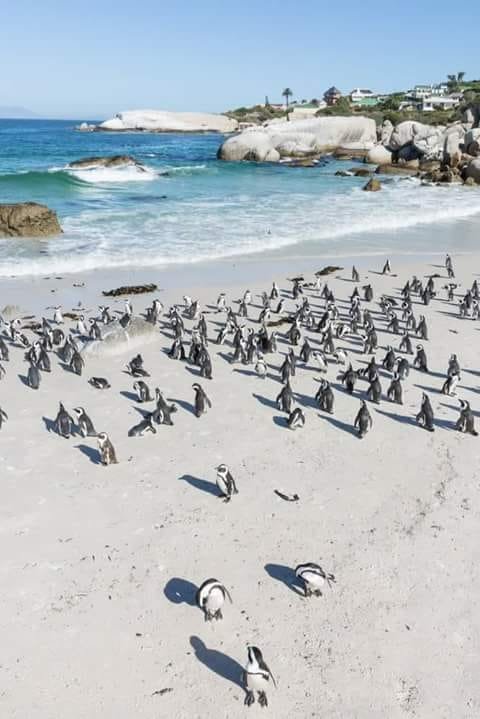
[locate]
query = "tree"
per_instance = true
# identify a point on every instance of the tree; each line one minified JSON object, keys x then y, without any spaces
{"x":452,"y":82}
{"x":315,"y":102}
{"x":287,"y":94}
{"x":460,"y":76}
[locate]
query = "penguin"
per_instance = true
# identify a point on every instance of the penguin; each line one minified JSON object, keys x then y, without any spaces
{"x":162,"y":414}
{"x":95,"y":332}
{"x":145,"y":425}
{"x":340,"y":356}
{"x":142,"y":390}
{"x":296,"y":419}
{"x":225,"y":482}
{"x":374,"y":392}
{"x":285,"y":399}
{"x":99,"y":382}
{"x":406,"y":344}
{"x":3,"y":417}
{"x":403,"y":368}
{"x":420,"y":360}
{"x":466,"y":421}
{"x":58,"y":337}
{"x":355,"y":274}
{"x":2,"y":371}
{"x":321,"y":360}
{"x":453,"y":366}
{"x":274,"y":293}
{"x":77,"y":363}
{"x":84,"y":423}
{"x":395,"y":391}
{"x":450,"y":384}
{"x":135,"y":367}
{"x":349,"y":379}
{"x":389,"y":360}
{"x":247,"y":297}
{"x":33,"y":376}
{"x":261,"y":366}
{"x":65,"y":352}
{"x":386,"y":268}
{"x":210,"y":598}
{"x":4,"y":351}
{"x":257,"y":677}
{"x":367,"y":293}
{"x":422,"y":329}
{"x":305,"y":351}
{"x":57,"y":315}
{"x":107,"y":452}
{"x":43,"y":360}
{"x":81,"y":327}
{"x":202,"y":402}
{"x":325,"y":397}
{"x":313,"y":578}
{"x":425,"y":417}
{"x":63,"y":423}
{"x":221,"y":302}
{"x":363,"y":421}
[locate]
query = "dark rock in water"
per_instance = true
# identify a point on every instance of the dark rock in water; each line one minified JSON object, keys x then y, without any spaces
{"x":396,"y":170}
{"x":28,"y":219}
{"x":130,"y":290}
{"x":327,"y":270}
{"x":113,"y":161}
{"x":343,"y":173}
{"x":373,"y":185}
{"x":361,"y":172}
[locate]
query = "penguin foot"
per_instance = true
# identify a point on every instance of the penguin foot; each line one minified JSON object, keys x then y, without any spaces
{"x":262,"y":699}
{"x":318,"y":593}
{"x":249,"y":699}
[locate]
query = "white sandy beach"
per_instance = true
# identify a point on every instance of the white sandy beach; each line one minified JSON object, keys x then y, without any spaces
{"x":99,"y":565}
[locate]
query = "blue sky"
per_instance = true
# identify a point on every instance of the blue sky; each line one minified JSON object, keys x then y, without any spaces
{"x":91,"y":59}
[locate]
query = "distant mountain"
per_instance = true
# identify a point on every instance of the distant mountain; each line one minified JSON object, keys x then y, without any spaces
{"x":17,"y":113}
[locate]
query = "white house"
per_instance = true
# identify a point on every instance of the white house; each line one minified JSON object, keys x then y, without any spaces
{"x":447,"y":102}
{"x":361,"y":96}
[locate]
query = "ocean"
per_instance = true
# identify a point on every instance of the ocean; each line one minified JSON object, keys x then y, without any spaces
{"x":189,"y":207}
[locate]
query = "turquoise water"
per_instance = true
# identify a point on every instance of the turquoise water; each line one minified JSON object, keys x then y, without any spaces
{"x":189,"y":207}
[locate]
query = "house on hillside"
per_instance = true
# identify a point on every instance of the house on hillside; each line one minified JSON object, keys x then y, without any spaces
{"x":447,"y":102}
{"x":420,"y":92}
{"x":307,"y":109}
{"x":332,"y":95}
{"x":363,"y":98}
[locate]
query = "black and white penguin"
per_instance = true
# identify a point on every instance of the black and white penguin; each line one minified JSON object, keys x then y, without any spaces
{"x":386,"y":268}
{"x":162,"y":414}
{"x":284,"y":400}
{"x":211,"y":597}
{"x":466,"y":421}
{"x":406,"y":344}
{"x":313,"y":578}
{"x":106,"y":449}
{"x":403,"y":368}
{"x":63,"y":423}
{"x":363,"y":421}
{"x":325,"y":397}
{"x":420,"y":360}
{"x":225,"y":482}
{"x":257,"y":677}
{"x":296,"y":419}
{"x":450,"y":384}
{"x":389,"y":360}
{"x":355,"y":274}
{"x":145,"y":425}
{"x":33,"y":376}
{"x":374,"y":392}
{"x":395,"y":391}
{"x":422,"y":329}
{"x":261,"y":366}
{"x":77,"y":363}
{"x":453,"y":365}
{"x":135,"y":367}
{"x":99,"y":382}
{"x":3,"y":417}
{"x":84,"y":423}
{"x":425,"y":417}
{"x":349,"y":379}
{"x":320,"y":359}
{"x":4,"y":352}
{"x":143,"y":391}
{"x":202,"y":402}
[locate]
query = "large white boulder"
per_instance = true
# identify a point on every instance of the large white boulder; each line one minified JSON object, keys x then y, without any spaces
{"x":379,"y":155}
{"x":164,"y":121}
{"x":386,"y":132}
{"x":298,"y":138}
{"x":117,"y":339}
{"x":426,"y":139}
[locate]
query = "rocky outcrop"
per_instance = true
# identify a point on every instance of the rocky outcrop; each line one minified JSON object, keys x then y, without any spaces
{"x":163,"y":121}
{"x":473,"y":170}
{"x":113,"y":161}
{"x":28,"y":219}
{"x":373,"y":185}
{"x":299,"y":138}
{"x":117,"y":339}
{"x":379,"y":155}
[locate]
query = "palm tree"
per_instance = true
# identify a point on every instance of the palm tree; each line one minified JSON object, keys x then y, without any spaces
{"x":460,"y":76}
{"x":287,"y":94}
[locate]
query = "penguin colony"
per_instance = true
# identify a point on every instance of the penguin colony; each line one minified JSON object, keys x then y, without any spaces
{"x":310,"y":324}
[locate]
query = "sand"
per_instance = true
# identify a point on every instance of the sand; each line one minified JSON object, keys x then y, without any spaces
{"x":99,"y":565}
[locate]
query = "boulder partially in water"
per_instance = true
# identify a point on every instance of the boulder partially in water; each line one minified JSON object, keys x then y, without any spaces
{"x":164,"y":121}
{"x":112,"y":161}
{"x":28,"y":219}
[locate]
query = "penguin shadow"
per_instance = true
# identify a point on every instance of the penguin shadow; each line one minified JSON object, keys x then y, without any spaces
{"x":305,"y":400}
{"x":431,"y":373}
{"x":187,"y":406}
{"x":217,"y":662}
{"x":246,"y":372}
{"x":129,"y":395}
{"x":436,"y":390}
{"x":90,"y":452}
{"x":447,"y":424}
{"x":49,"y":424}
{"x":66,"y":367}
{"x":226,"y":357}
{"x":194,"y":370}
{"x":201,"y":484}
{"x":280,"y":421}
{"x":180,"y":591}
{"x":349,"y":428}
{"x":450,"y":314}
{"x":23,"y":379}
{"x":285,"y":575}
{"x":403,"y":419}
{"x":265,"y":401}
